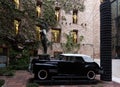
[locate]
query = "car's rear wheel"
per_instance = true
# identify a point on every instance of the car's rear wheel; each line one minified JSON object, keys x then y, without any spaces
{"x":43,"y":74}
{"x":91,"y":75}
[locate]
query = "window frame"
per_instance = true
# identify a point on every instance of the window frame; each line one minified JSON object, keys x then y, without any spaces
{"x":57,"y":13}
{"x":58,"y":36}
{"x":17,"y":4}
{"x":73,"y":36}
{"x":16,"y":26}
{"x":75,"y":16}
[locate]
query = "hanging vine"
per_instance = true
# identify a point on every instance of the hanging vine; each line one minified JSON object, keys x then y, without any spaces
{"x":69,"y":5}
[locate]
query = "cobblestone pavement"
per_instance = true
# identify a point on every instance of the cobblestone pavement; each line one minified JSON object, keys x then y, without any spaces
{"x":21,"y":78}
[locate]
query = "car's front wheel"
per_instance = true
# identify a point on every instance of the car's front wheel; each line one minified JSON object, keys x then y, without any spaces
{"x":91,"y":75}
{"x":43,"y":74}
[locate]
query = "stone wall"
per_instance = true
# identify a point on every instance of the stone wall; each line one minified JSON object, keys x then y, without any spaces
{"x":88,"y":26}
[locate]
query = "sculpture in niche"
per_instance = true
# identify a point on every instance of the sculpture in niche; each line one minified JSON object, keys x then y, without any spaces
{"x":44,"y":40}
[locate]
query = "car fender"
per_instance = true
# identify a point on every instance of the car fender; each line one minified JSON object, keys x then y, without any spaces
{"x":50,"y":67}
{"x":89,"y":67}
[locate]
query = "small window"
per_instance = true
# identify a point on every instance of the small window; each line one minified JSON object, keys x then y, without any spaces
{"x":17,"y":4}
{"x":57,"y":13}
{"x":56,"y":35}
{"x":16,"y":25}
{"x":75,"y":16}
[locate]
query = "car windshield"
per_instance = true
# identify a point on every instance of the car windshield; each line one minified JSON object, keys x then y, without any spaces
{"x":88,"y":59}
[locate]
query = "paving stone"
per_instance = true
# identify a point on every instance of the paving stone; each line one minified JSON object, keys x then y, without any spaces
{"x":22,"y":77}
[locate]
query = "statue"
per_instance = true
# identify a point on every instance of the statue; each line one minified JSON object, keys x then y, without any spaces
{"x":44,"y":40}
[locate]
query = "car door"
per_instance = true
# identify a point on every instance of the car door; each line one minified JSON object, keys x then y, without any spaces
{"x":78,"y":65}
{"x":66,"y":66}
{"x":72,"y":65}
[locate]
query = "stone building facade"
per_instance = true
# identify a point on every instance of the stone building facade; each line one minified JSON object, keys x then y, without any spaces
{"x":81,"y":23}
{"x":88,"y":26}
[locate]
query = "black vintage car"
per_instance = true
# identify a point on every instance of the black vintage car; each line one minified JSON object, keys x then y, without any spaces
{"x":70,"y":65}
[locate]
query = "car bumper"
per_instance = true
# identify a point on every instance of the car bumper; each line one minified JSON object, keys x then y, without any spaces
{"x":100,"y":71}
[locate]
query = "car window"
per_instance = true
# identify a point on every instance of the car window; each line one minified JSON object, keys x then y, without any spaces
{"x":70,"y":58}
{"x":66,"y":58}
{"x":62,"y":57}
{"x":79,"y":59}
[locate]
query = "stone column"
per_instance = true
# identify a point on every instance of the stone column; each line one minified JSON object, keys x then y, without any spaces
{"x":105,"y":37}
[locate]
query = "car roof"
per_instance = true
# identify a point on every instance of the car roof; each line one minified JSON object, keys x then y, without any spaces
{"x":68,"y":54}
{"x":85,"y":57}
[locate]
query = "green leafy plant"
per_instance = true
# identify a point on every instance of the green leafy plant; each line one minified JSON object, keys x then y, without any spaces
{"x":2,"y":82}
{"x":6,"y":72}
{"x":32,"y":85}
{"x":27,"y":18}
{"x":70,"y":46}
{"x":69,"y":5}
{"x":49,"y":13}
{"x":19,"y":60}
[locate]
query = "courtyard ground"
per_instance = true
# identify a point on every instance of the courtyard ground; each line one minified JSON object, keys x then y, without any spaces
{"x":22,"y":77}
